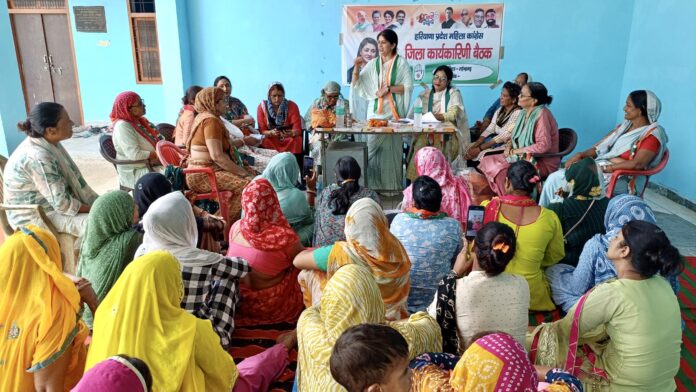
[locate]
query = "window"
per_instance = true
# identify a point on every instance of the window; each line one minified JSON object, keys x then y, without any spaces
{"x":141,"y":14}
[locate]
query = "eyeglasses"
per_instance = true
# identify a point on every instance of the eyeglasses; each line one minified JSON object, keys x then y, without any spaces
{"x":435,"y":77}
{"x":331,"y":96}
{"x":141,"y":103}
{"x":525,"y":96}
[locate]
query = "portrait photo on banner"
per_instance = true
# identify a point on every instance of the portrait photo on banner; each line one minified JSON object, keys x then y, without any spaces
{"x":466,"y":37}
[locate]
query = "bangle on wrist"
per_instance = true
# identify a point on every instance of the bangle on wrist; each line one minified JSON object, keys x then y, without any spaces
{"x":311,"y":192}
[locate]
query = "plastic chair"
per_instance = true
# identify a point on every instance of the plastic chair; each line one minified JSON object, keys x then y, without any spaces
{"x":108,"y":151}
{"x":66,"y":241}
{"x":167,"y":131}
{"x":169,"y":154}
{"x":567,"y":139}
{"x":637,"y":173}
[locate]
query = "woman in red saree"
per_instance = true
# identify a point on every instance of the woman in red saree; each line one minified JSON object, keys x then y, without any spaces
{"x":264,"y":238}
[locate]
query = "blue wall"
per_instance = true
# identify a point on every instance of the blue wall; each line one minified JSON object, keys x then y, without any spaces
{"x":105,"y":71}
{"x":12,"y":108}
{"x":296,"y":43}
{"x":664,"y":61}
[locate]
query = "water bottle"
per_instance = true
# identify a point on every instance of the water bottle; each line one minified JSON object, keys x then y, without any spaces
{"x":340,"y":113}
{"x":417,"y":113}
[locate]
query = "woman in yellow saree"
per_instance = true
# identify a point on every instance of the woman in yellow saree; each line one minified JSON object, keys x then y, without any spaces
{"x":42,"y":335}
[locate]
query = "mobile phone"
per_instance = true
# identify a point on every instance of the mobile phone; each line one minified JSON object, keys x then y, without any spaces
{"x":307,"y":166}
{"x":474,"y":221}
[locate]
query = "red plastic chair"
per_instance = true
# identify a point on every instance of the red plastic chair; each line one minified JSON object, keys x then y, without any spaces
{"x":642,"y":173}
{"x":169,"y":154}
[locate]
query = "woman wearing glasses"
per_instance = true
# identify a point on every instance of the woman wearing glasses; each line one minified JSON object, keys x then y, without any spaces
{"x":446,"y":104}
{"x":135,"y":138}
{"x":323,"y":110}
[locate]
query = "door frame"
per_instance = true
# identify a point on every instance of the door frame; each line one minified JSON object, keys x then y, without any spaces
{"x":64,"y":11}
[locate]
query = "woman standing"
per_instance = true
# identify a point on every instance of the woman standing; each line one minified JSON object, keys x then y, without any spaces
{"x":446,"y":104}
{"x":280,"y":122}
{"x":536,"y":132}
{"x":40,"y":171}
{"x":209,"y":145}
{"x":386,"y":82}
{"x":629,"y":329}
{"x":135,"y":138}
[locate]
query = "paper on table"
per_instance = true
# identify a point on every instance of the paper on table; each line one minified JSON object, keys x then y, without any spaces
{"x":429,"y":118}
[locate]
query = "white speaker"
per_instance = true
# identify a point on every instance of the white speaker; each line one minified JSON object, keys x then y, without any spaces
{"x":337,"y":150}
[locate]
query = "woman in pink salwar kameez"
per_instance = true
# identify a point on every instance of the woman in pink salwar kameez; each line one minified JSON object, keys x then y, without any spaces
{"x":536,"y":132}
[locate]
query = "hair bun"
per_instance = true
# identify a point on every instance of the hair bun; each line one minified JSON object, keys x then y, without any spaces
{"x":24,"y":125}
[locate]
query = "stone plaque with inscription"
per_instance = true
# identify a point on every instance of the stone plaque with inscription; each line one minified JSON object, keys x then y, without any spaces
{"x":90,"y":19}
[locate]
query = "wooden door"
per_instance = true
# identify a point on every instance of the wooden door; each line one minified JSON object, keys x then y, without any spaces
{"x":60,"y":56}
{"x":46,"y":61}
{"x":33,"y":58}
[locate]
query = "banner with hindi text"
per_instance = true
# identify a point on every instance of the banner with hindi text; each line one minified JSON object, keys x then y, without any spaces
{"x":466,"y":37}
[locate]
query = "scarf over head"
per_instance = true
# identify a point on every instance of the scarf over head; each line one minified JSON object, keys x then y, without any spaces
{"x":621,"y":140}
{"x":108,"y":244}
{"x":142,"y":317}
{"x":495,"y":362}
{"x":283,"y":173}
{"x":113,"y":374}
{"x":583,"y":180}
{"x":620,"y":210}
{"x":351,"y":297}
{"x":206,"y":108}
{"x":169,"y":225}
{"x":369,"y":243}
{"x":149,"y":188}
{"x":121,"y":111}
{"x":276,"y":118}
{"x":455,"y":193}
{"x":263,"y":224}
{"x":38,"y":308}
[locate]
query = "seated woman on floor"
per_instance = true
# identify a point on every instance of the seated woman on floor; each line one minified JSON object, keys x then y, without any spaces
{"x":119,"y":373}
{"x":280,"y":122}
{"x":638,"y":143}
{"x":240,"y":125}
{"x":182,"y":130}
{"x":446,"y":104}
{"x":322,"y":114}
{"x":152,"y":186}
{"x":265,"y":239}
{"x":569,"y":283}
{"x":297,"y":206}
{"x":211,"y":280}
{"x":351,"y":297}
{"x":431,"y":239}
{"x":335,"y":200}
{"x":368,"y":243}
{"x":536,"y":132}
{"x":135,"y":138}
{"x":109,"y":244}
{"x":210,"y":146}
{"x":40,"y":171}
{"x":581,"y":211}
{"x":236,"y":111}
{"x":182,"y":351}
{"x":632,"y":324}
{"x":43,"y":339}
{"x":537,"y":230}
{"x":478,"y":295}
{"x":455,"y":193}
{"x":503,"y":122}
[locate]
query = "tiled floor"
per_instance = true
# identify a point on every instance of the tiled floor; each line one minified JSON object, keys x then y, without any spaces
{"x":679,"y":222}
